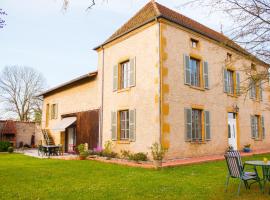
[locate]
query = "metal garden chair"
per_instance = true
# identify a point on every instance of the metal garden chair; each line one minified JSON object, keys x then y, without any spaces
{"x":236,"y":170}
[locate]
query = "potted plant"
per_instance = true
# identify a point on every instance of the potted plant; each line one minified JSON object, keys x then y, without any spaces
{"x":158,"y":153}
{"x":247,"y":148}
{"x":82,"y":152}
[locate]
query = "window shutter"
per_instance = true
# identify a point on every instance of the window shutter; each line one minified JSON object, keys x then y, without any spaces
{"x":52,"y":111}
{"x":188,"y":124}
{"x":115,"y":77}
{"x":207,"y":125}
{"x":132,"y":72}
{"x":252,"y":122}
{"x":114,"y":125}
{"x":56,"y":111}
{"x":252,"y":90}
{"x":132,"y":125}
{"x":262,"y":127}
{"x":261,"y":91}
{"x":225,"y":80}
{"x":187,"y":69}
{"x":205,"y":75}
{"x":238,"y":83}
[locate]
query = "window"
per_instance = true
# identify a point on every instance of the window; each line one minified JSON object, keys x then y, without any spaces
{"x":230,"y":81}
{"x":195,"y":72}
{"x":124,"y":124}
{"x":196,"y":125}
{"x":124,"y":76}
{"x":54,"y":109}
{"x":229,"y":58}
{"x":253,"y":66}
{"x":194,"y":43}
{"x":257,"y":127}
{"x":255,"y":90}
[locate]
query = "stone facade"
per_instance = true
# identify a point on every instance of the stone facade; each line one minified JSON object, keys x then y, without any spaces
{"x":73,"y":99}
{"x":160,"y":95}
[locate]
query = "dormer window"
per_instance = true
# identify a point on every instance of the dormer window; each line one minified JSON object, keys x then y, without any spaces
{"x":194,"y":43}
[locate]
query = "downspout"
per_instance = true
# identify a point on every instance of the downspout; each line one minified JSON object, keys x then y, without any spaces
{"x":102,"y":100}
{"x":159,"y":83}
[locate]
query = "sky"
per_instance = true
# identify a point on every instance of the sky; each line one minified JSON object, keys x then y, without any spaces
{"x":59,"y":44}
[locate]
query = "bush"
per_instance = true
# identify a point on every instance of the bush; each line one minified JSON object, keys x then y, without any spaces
{"x":138,"y":157}
{"x":4,"y":146}
{"x":158,"y":152}
{"x":10,"y":149}
{"x":125,"y":154}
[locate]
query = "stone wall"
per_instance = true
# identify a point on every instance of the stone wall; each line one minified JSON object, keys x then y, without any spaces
{"x":25,"y":130}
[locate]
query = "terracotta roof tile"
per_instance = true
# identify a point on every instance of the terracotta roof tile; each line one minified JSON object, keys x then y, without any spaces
{"x":154,"y":10}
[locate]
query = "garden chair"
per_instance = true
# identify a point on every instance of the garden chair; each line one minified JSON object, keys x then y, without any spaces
{"x":236,"y":170}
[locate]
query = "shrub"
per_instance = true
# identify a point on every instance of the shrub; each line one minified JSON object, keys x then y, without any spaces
{"x":158,"y":152}
{"x":10,"y":149}
{"x":125,"y":154}
{"x":4,"y":146}
{"x":107,"y":147}
{"x":138,"y":157}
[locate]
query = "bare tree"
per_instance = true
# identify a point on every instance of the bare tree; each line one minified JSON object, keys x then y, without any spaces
{"x":91,"y":4}
{"x":19,"y":88}
{"x":2,"y":21}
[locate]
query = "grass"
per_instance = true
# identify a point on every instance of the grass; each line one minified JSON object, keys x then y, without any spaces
{"x":23,"y":177}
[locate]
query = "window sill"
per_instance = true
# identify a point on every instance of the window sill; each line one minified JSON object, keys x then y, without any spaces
{"x":197,"y":142}
{"x":123,"y":90}
{"x":258,"y":140}
{"x":197,"y":88}
{"x":232,"y":95}
{"x":123,"y":142}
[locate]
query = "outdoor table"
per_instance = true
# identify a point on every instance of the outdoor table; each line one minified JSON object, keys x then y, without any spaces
{"x":51,"y":149}
{"x":265,"y":170}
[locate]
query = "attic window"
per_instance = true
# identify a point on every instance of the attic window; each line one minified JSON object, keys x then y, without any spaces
{"x":194,"y":43}
{"x":253,"y":66}
{"x":229,"y":57}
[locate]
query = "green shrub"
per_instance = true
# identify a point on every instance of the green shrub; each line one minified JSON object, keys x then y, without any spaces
{"x":125,"y":154}
{"x":4,"y":146}
{"x":158,"y":152}
{"x":10,"y":149}
{"x":138,"y":157}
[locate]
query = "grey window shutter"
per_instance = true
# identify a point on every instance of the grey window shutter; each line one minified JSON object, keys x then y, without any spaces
{"x":187,"y":69}
{"x":252,"y":125}
{"x":188,"y":124}
{"x":114,"y":125}
{"x":207,"y":125}
{"x":262,"y":126}
{"x":238,"y":83}
{"x":252,"y":90}
{"x":132,"y":72}
{"x":132,"y":125}
{"x":225,"y":80}
{"x":261,"y":91}
{"x":115,"y":77}
{"x":205,"y":75}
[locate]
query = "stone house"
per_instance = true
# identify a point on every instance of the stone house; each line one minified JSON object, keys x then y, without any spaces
{"x":165,"y":78}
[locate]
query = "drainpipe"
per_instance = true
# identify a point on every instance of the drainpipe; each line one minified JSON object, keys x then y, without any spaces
{"x":159,"y":83}
{"x":102,"y":101}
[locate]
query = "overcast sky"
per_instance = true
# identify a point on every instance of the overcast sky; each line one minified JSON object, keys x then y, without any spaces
{"x":59,"y":44}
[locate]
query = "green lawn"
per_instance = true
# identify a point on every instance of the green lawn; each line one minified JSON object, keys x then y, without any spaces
{"x":23,"y":177}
